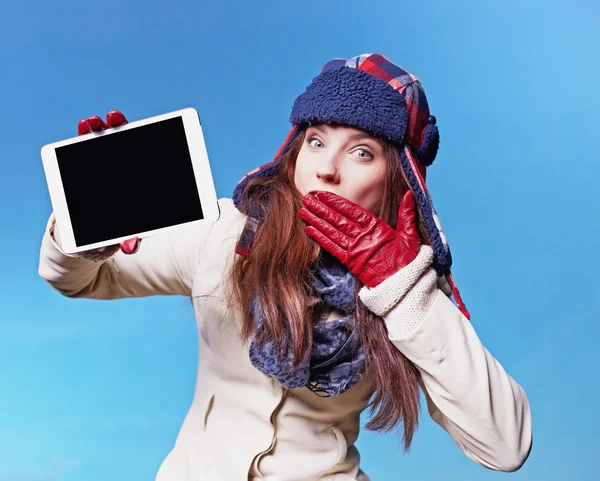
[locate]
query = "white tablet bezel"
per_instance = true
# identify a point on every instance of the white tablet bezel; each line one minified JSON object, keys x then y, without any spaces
{"x":200,"y":165}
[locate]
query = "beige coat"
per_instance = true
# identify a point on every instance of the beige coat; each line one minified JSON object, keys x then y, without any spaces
{"x":243,"y":425}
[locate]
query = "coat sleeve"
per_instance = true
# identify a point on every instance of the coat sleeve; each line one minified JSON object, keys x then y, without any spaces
{"x":468,"y":392}
{"x":164,"y":264}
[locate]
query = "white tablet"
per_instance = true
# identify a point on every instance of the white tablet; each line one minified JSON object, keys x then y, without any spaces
{"x":144,"y":178}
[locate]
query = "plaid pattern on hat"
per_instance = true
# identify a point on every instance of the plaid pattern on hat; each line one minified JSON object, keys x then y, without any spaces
{"x":370,"y":93}
{"x":405,"y":83}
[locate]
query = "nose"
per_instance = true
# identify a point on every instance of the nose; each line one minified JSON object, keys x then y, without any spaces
{"x":328,"y":171}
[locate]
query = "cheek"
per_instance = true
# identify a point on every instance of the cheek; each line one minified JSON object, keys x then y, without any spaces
{"x":367,"y":189}
{"x":301,"y":171}
{"x":298,"y":184}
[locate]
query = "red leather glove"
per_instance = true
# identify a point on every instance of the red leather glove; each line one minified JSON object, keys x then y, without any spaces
{"x":114,"y":118}
{"x":368,"y":246}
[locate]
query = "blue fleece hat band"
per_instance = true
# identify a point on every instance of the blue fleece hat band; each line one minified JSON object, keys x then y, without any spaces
{"x":352,"y":97}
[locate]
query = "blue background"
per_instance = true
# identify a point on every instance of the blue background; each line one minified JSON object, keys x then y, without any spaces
{"x":96,"y":390}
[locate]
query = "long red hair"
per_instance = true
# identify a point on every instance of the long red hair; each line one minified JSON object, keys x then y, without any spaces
{"x":277,"y":270}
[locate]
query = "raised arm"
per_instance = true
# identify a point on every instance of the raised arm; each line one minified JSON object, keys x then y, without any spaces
{"x":164,"y":264}
{"x":468,"y":392}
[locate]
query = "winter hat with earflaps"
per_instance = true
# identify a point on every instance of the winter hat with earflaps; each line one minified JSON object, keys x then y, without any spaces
{"x":370,"y":93}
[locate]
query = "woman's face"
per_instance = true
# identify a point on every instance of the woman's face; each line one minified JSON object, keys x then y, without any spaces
{"x":343,"y":160}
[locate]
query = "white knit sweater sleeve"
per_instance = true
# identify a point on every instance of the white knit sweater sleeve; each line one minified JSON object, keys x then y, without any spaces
{"x":468,"y":392}
{"x":415,"y":285}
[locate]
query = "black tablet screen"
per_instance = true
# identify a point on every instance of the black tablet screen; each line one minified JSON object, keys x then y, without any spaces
{"x":129,"y":182}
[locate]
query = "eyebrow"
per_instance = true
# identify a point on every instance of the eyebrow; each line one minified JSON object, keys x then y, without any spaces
{"x":362,"y":135}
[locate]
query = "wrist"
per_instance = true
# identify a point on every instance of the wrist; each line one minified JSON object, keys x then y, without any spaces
{"x":385,"y":296}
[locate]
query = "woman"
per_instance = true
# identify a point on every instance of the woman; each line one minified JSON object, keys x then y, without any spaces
{"x":323,"y":289}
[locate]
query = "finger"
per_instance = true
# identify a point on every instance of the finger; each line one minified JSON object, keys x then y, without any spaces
{"x":325,"y":228}
{"x":352,"y":211}
{"x":130,"y":246}
{"x":406,"y":215}
{"x":326,"y":243}
{"x":114,"y":118}
{"x":83,"y":127}
{"x":96,"y":123}
{"x":334,"y":218}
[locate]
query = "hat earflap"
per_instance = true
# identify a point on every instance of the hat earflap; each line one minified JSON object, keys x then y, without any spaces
{"x":430,"y":144}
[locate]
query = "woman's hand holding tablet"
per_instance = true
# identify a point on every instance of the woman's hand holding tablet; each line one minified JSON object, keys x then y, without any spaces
{"x":160,"y":162}
{"x":114,"y":118}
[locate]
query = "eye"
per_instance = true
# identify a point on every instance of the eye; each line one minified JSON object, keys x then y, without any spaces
{"x":315,"y":142}
{"x":364,"y":154}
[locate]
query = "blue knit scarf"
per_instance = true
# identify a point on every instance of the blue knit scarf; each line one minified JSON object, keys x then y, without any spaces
{"x":336,"y":361}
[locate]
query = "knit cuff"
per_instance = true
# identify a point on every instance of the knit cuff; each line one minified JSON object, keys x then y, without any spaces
{"x":403,"y":299}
